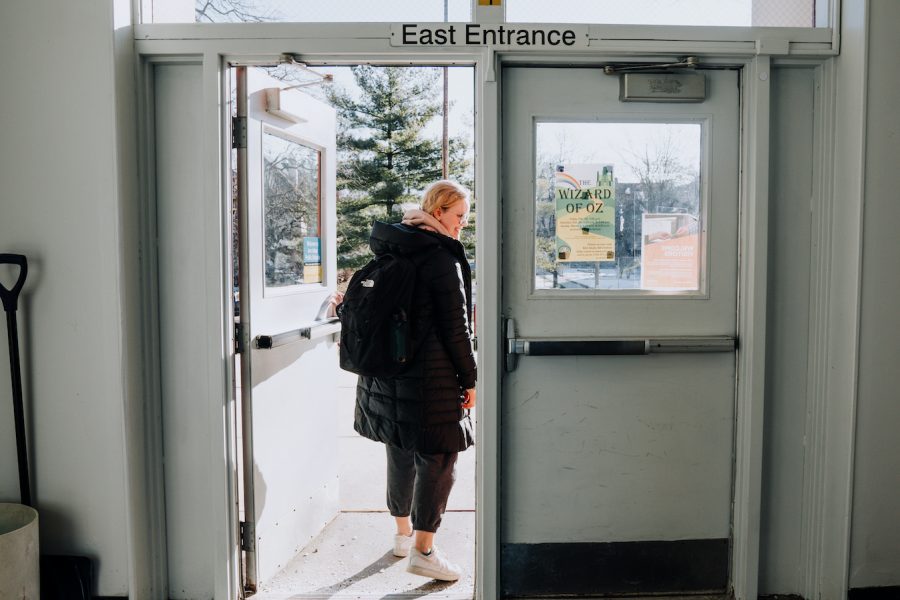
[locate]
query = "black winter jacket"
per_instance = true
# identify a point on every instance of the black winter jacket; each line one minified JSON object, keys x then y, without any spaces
{"x":421,"y":409}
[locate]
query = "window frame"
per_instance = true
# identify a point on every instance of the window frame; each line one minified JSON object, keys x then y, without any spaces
{"x":702,"y":291}
{"x":827,"y":20}
{"x":297,"y":288}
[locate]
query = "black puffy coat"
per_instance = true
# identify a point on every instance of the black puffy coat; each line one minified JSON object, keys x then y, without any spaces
{"x":421,"y":409}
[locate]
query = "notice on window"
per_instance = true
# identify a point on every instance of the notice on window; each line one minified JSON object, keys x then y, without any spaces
{"x":670,"y":252}
{"x":312,"y":273}
{"x":585,"y":213}
{"x":311,"y":250}
{"x":312,"y":260}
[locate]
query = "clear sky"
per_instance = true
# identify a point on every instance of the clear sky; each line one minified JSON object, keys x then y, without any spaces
{"x":619,"y":144}
{"x":645,"y":12}
{"x":648,"y":12}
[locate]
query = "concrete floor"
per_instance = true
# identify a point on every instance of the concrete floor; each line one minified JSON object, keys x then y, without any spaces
{"x":351,"y":557}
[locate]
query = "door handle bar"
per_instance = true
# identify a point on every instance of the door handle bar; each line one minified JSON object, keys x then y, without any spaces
{"x":620,"y":347}
{"x":267,"y":342}
{"x":516,"y":347}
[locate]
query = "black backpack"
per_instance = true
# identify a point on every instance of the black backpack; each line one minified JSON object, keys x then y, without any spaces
{"x":376,"y":335}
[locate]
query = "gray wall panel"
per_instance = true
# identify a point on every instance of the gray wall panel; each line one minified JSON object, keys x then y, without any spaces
{"x":187,"y":421}
{"x":788,"y":328}
{"x":875,"y":549}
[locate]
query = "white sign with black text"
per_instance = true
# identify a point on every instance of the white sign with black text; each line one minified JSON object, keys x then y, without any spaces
{"x":504,"y":35}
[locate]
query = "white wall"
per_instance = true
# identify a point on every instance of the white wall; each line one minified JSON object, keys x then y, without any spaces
{"x":59,"y":205}
{"x":875,"y":550}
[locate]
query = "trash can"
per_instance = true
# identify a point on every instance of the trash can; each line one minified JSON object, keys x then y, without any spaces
{"x":19,"y":558}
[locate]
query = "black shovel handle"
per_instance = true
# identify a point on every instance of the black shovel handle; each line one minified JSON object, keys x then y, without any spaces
{"x":11,"y":297}
{"x":10,"y":304}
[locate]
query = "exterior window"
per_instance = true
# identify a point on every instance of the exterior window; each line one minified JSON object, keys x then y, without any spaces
{"x":736,"y":13}
{"x":292,"y":207}
{"x":305,"y":11}
{"x":618,"y":207}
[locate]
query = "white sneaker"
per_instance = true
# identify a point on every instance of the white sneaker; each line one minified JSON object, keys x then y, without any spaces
{"x":434,"y":565}
{"x":402,"y":544}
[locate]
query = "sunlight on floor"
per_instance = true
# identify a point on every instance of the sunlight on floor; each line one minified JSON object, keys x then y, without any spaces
{"x":352,"y":558}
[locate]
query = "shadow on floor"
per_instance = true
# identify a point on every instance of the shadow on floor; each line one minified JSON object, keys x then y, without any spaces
{"x":352,"y":558}
{"x":379,"y":566}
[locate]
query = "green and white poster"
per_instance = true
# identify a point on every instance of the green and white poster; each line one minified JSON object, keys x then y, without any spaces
{"x":585,"y":213}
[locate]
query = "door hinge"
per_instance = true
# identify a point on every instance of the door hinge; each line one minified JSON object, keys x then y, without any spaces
{"x":238,"y":132}
{"x":247,"y":535}
{"x":512,"y":355}
{"x":238,"y":338}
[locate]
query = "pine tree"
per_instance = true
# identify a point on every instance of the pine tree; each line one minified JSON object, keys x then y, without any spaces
{"x":385,"y":159}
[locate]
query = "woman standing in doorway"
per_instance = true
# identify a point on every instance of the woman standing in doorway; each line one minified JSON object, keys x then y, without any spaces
{"x":422,"y":415}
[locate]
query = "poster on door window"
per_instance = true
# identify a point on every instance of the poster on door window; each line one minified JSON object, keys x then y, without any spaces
{"x":312,"y":273}
{"x":312,"y":260}
{"x":585,"y":213}
{"x":670,"y":252}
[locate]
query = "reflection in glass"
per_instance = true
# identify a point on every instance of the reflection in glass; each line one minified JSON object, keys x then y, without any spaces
{"x":617,"y":206}
{"x":291,"y":180}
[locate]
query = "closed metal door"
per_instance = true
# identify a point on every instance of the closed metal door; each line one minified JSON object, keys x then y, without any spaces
{"x":620,"y":224}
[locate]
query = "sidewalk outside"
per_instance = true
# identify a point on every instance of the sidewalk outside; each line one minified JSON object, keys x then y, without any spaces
{"x":351,"y":557}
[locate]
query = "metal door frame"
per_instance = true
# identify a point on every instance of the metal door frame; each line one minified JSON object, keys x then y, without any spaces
{"x":351,"y":44}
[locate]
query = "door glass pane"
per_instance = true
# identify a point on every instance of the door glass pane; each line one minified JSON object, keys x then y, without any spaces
{"x":736,"y":13}
{"x":292,"y":202}
{"x":618,"y":207}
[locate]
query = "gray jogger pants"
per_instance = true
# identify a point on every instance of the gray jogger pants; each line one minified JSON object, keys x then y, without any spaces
{"x":418,"y":485}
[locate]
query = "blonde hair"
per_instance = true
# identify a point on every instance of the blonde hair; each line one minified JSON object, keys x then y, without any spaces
{"x":443,"y":194}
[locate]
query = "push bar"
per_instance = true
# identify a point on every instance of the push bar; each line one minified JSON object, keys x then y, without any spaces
{"x":267,"y":342}
{"x":516,"y":346}
{"x":623,"y":347}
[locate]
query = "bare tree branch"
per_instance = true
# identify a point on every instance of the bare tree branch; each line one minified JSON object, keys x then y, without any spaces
{"x":230,"y":11}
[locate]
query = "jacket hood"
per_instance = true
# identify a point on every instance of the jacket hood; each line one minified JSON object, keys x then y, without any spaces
{"x":397,"y":238}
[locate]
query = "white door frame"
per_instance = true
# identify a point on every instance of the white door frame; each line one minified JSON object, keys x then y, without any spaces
{"x":834,"y":378}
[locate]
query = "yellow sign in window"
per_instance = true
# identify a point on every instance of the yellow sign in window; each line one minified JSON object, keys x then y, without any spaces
{"x":490,"y":2}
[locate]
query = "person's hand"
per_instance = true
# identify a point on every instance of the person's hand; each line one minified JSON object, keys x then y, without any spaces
{"x":333,"y":301}
{"x":469,"y":402}
{"x":419,"y":218}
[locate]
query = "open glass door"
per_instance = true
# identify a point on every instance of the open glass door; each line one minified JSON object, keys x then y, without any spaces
{"x":286,"y":161}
